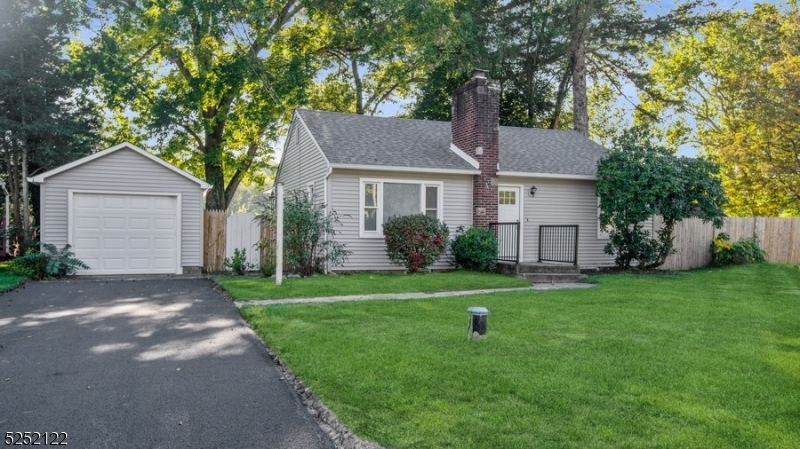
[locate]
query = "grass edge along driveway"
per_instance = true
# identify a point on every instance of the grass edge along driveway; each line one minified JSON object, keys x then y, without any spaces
{"x":244,"y":288}
{"x":9,"y":281}
{"x":702,"y":359}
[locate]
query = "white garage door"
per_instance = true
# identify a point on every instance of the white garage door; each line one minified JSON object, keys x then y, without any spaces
{"x":125,"y":234}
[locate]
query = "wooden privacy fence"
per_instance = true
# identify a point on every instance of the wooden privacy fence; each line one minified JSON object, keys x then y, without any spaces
{"x":225,"y":233}
{"x":779,"y":237}
{"x":213,"y":240}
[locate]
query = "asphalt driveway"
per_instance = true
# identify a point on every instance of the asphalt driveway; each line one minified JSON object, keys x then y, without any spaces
{"x":153,"y":363}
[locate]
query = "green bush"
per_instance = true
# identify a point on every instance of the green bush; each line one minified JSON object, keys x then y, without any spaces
{"x":474,"y":249}
{"x":238,"y":263}
{"x":745,"y":251}
{"x":267,"y":267}
{"x":32,"y":264}
{"x":47,"y":262}
{"x":309,"y":234}
{"x":415,"y":241}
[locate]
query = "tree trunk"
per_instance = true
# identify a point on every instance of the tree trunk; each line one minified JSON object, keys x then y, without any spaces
{"x":580,"y":109}
{"x":215,"y":198}
{"x":26,"y":207}
{"x":563,"y":85}
{"x":359,"y":87}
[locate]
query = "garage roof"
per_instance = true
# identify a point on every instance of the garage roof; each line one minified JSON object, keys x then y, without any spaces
{"x":39,"y":179}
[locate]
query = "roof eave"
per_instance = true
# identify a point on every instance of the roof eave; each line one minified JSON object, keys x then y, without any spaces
{"x":447,"y":171}
{"x":519,"y":174}
{"x":39,"y":179}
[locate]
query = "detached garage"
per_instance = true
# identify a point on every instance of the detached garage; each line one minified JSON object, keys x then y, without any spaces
{"x":125,"y":211}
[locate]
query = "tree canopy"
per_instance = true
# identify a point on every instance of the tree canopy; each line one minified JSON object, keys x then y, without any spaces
{"x":210,"y":83}
{"x":46,"y":117}
{"x":733,"y":90}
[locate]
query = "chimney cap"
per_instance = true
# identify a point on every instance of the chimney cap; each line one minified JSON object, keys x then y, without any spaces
{"x":479,"y":73}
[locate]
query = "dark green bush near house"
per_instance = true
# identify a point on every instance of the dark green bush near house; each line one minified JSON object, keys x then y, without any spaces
{"x":238,"y":263}
{"x":415,"y":241}
{"x":474,"y":249}
{"x":47,"y":262}
{"x":745,"y":251}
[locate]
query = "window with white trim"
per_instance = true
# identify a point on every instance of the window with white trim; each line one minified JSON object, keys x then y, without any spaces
{"x":383,"y":199}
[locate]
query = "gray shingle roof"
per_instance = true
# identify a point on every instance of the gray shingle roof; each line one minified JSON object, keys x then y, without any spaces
{"x":396,"y":142}
{"x":552,"y":151}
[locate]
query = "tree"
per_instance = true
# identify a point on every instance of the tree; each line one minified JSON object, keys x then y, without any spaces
{"x":639,"y":180}
{"x":541,"y":51}
{"x":375,"y":52}
{"x":46,"y":118}
{"x":733,"y":90}
{"x":211,"y":82}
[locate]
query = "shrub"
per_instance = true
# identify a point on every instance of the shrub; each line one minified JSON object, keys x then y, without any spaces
{"x":308,"y":232}
{"x":640,"y":179}
{"x":47,"y":262}
{"x":415,"y":241}
{"x":238,"y":263}
{"x":475,"y":249}
{"x":745,"y":251}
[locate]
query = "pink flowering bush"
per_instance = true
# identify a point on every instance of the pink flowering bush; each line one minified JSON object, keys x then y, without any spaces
{"x":415,"y":241}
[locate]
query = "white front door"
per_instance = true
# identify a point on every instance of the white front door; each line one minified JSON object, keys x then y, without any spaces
{"x":125,"y":234}
{"x":508,"y":211}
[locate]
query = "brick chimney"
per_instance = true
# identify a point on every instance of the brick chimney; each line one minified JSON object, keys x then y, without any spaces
{"x":476,"y":131}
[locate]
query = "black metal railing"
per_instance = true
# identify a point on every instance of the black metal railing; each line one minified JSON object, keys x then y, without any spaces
{"x":507,"y":240}
{"x":558,"y":244}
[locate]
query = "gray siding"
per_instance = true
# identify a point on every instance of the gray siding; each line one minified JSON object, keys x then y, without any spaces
{"x":562,"y":202}
{"x":124,"y":171}
{"x":370,"y":253}
{"x":302,"y":162}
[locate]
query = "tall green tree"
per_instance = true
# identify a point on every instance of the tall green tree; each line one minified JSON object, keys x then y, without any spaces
{"x":45,"y":116}
{"x":376,"y":52}
{"x":543,"y":52}
{"x":733,"y":91}
{"x":209,"y":82}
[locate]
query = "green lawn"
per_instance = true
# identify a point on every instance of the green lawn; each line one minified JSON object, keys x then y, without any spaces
{"x":248,"y":287}
{"x":7,"y":280}
{"x":702,"y":359}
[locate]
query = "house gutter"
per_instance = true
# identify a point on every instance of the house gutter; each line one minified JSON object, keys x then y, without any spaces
{"x":520,"y":174}
{"x":444,"y":171}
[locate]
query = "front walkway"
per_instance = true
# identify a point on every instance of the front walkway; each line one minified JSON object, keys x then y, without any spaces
{"x":328,"y":299}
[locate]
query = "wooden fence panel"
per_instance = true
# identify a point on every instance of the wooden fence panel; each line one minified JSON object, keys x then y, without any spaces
{"x":267,"y":234}
{"x":242,"y":231}
{"x":213,"y":240}
{"x":779,"y":237}
{"x":692,"y":243}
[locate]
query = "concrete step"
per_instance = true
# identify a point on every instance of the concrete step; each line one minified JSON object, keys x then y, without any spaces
{"x":547,"y":268}
{"x":553,"y":278}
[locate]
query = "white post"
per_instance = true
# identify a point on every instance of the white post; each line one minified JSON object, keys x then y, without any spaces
{"x":279,"y":234}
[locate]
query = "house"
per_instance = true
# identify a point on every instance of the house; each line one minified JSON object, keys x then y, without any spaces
{"x":124,"y":211}
{"x":535,"y":186}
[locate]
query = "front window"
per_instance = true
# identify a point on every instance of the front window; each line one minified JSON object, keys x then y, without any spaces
{"x":382,"y":200}
{"x":370,"y":206}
